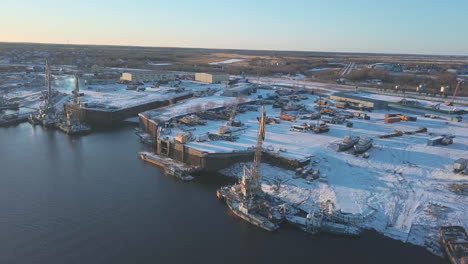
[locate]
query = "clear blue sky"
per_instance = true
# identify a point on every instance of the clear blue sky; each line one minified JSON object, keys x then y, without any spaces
{"x":397,"y":26}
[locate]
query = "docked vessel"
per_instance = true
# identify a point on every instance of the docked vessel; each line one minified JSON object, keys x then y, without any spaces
{"x":70,"y":125}
{"x":46,"y":116}
{"x":454,"y":240}
{"x":246,"y":199}
{"x":170,"y":166}
{"x":67,"y":122}
{"x":348,"y":142}
{"x":363,"y":145}
{"x":247,"y":212}
{"x":32,"y":118}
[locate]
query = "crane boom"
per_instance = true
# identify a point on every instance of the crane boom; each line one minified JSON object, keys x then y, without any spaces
{"x":459,"y":83}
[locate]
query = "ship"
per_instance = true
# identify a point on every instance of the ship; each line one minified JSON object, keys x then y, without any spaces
{"x":246,"y":212}
{"x":317,"y":222}
{"x":454,"y":240}
{"x":67,"y":122}
{"x":70,"y":125}
{"x":348,"y":142}
{"x":246,"y":198}
{"x":170,"y":166}
{"x":363,"y":145}
{"x":33,"y":119}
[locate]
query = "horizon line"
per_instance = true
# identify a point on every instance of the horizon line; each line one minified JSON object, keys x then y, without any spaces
{"x":236,"y":49}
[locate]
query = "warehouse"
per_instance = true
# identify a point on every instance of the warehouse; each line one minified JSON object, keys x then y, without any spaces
{"x":213,"y":77}
{"x":367,"y":102}
{"x":147,"y":76}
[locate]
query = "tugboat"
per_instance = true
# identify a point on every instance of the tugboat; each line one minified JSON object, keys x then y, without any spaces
{"x":363,"y":145}
{"x":32,"y":118}
{"x":67,"y":122}
{"x":70,"y":125}
{"x":348,"y":142}
{"x":246,"y":199}
{"x":454,"y":240}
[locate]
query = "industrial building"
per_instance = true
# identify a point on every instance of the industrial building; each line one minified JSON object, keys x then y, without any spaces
{"x":213,"y":77}
{"x":367,"y":102}
{"x":388,"y":67}
{"x":147,"y":76}
{"x":236,"y":91}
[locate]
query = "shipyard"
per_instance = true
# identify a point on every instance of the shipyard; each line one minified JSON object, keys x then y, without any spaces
{"x":183,"y":132}
{"x":326,"y":159}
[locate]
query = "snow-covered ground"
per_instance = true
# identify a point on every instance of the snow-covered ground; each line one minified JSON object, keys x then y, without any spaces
{"x":422,"y":102}
{"x":191,"y":105}
{"x":159,"y":64}
{"x":404,"y":180}
{"x":116,"y":95}
{"x":228,"y":61}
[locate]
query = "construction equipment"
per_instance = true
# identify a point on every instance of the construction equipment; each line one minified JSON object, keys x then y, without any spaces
{"x":328,"y":111}
{"x":396,"y":133}
{"x":361,"y":115}
{"x":459,"y":83}
{"x":341,"y":105}
{"x":407,"y":118}
{"x":322,"y":102}
{"x":321,"y":128}
{"x":287,"y":117}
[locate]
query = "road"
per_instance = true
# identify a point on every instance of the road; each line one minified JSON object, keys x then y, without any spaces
{"x":331,"y":88}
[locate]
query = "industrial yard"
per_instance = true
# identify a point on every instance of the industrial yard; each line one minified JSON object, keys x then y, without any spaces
{"x":234,"y":132}
{"x":402,"y":186}
{"x":370,"y":159}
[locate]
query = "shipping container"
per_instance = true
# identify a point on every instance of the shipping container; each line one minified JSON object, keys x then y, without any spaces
{"x":434,"y":141}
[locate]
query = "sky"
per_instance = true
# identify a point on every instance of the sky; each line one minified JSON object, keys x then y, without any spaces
{"x":381,"y":26}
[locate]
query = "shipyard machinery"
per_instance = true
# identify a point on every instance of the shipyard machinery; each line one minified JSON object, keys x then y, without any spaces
{"x":46,"y":115}
{"x":459,"y":83}
{"x":251,"y":180}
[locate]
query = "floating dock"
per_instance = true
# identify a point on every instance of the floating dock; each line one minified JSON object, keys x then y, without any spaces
{"x":171,"y":167}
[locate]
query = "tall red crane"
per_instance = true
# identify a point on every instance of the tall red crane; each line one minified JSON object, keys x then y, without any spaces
{"x":459,"y":83}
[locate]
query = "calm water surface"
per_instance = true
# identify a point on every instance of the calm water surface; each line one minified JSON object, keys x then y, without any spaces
{"x":92,"y":200}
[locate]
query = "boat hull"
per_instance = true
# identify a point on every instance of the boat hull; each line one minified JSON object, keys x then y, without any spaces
{"x":255,"y":220}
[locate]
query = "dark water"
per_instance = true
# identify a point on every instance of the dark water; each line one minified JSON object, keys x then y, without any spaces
{"x":92,"y":200}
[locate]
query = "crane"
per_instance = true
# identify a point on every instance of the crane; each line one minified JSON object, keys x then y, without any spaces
{"x":459,"y":83}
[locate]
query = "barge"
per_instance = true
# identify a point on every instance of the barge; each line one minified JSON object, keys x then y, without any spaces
{"x":454,"y":240}
{"x":170,"y":166}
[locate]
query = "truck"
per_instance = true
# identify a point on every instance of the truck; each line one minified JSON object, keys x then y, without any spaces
{"x":361,"y":115}
{"x":460,"y":165}
{"x":299,"y":128}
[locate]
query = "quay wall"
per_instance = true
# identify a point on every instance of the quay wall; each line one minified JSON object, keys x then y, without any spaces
{"x":204,"y":160}
{"x":111,"y":117}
